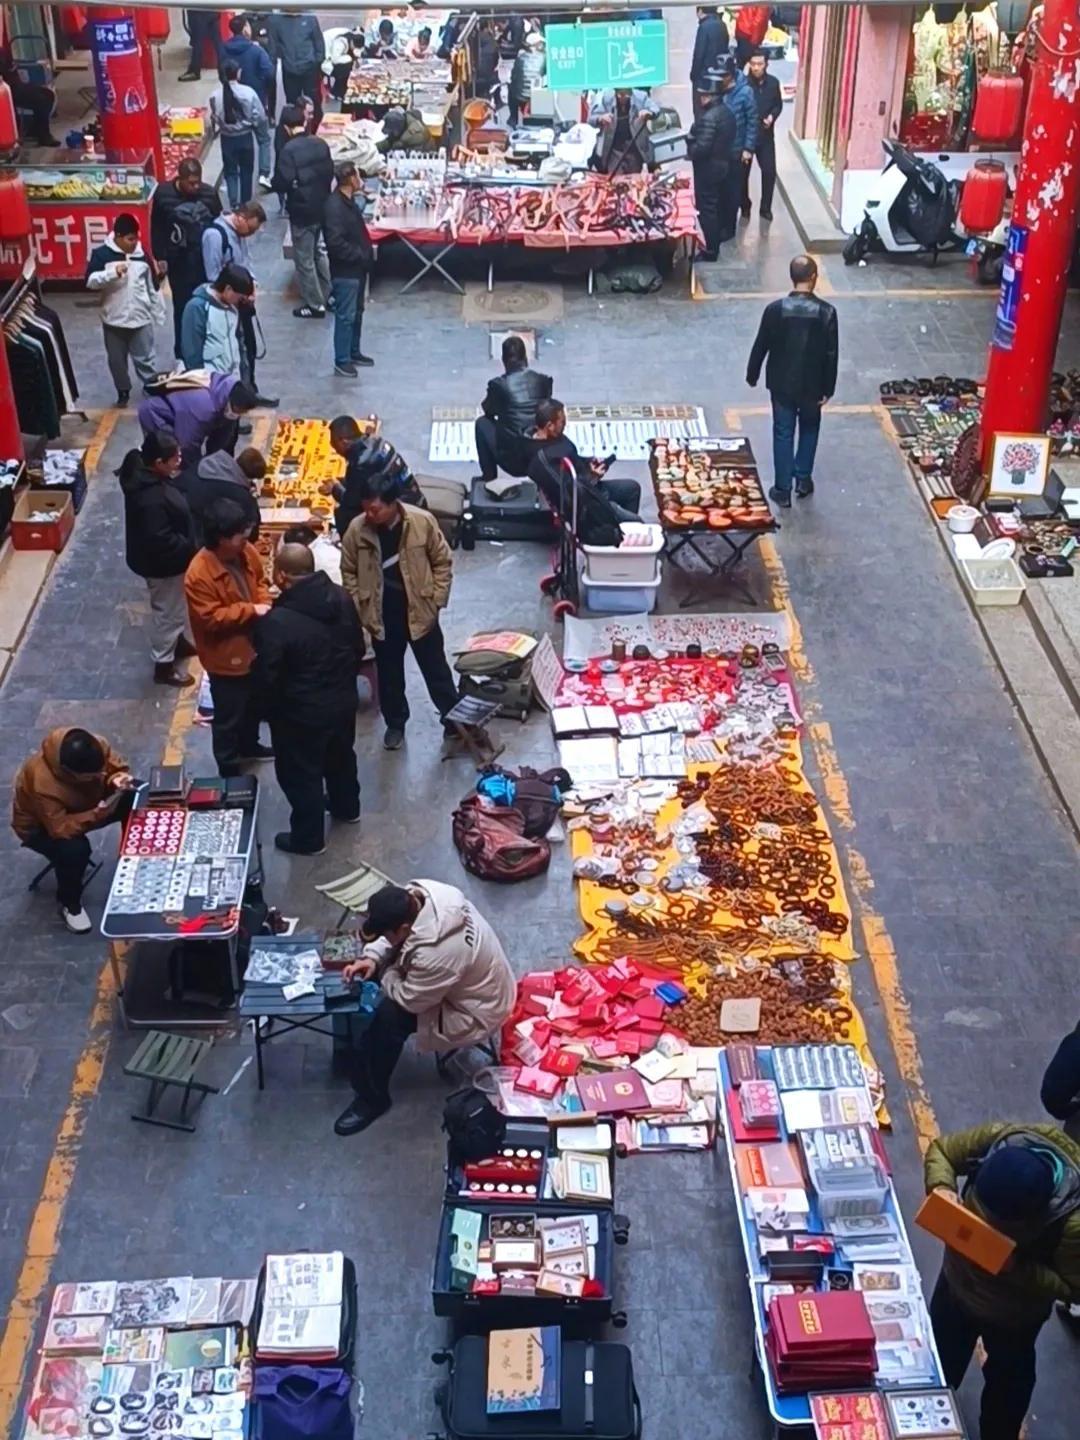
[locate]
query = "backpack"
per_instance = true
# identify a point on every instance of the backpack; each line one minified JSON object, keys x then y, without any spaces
{"x":476,"y":1130}
{"x":492,"y":843}
{"x":186,"y":225}
{"x":537,"y":795}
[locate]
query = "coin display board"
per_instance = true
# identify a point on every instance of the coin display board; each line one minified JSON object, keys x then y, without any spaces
{"x":302,"y":464}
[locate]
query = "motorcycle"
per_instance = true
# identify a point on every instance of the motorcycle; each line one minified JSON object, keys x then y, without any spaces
{"x":913,"y":210}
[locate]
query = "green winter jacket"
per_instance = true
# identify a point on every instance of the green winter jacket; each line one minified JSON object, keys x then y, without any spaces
{"x":1046,"y":1263}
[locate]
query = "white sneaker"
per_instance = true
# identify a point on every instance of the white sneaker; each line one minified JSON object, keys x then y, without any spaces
{"x":77,"y":921}
{"x":265,"y":183}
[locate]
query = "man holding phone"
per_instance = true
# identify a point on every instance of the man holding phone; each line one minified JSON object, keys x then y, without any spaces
{"x":549,"y":472}
{"x":74,"y":784}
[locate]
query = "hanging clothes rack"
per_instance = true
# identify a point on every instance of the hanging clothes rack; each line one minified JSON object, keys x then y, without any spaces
{"x":42,"y":375}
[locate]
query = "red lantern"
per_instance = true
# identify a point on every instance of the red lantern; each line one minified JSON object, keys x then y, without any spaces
{"x":14,"y":207}
{"x":999,"y":104}
{"x":156,"y":25}
{"x":9,"y":126}
{"x":983,"y":202}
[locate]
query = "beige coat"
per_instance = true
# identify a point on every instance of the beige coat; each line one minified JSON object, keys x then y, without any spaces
{"x":451,"y":972}
{"x":426,"y":570}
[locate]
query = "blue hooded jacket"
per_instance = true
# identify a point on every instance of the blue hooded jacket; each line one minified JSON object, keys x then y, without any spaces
{"x":742,"y":104}
{"x":256,"y":67}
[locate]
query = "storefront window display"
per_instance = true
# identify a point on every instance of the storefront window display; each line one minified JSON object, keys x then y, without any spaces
{"x":952,"y":47}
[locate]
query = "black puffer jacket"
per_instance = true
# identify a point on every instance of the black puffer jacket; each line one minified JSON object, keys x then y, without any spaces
{"x":511,"y":401}
{"x":159,"y":532}
{"x":307,"y":650}
{"x":218,"y":477}
{"x":799,"y":336}
{"x":348,"y":243}
{"x":711,"y":43}
{"x":710,"y":143}
{"x":304,"y":175}
{"x":176,"y":225}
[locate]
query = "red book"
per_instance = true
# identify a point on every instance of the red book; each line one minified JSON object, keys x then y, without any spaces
{"x":613,"y":1093}
{"x":560,"y":1062}
{"x":826,"y":1325}
{"x":650,"y":1008}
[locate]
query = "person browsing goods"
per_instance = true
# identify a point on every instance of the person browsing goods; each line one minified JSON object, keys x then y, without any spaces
{"x":179,"y":213}
{"x":1024,"y":1180}
{"x":225,"y":241}
{"x":303,"y":177}
{"x":125,"y":277}
{"x":210,"y":335}
{"x":739,"y":99}
{"x":203,"y":410}
{"x":256,"y":70}
{"x":308,"y":650}
{"x":509,"y":413}
{"x":296,"y":38}
{"x":237,"y":116}
{"x":709,"y":146}
{"x":396,"y":565}
{"x":75,"y":784}
{"x":444,"y":977}
{"x":351,"y":256}
{"x":770,"y":106}
{"x":799,"y":340}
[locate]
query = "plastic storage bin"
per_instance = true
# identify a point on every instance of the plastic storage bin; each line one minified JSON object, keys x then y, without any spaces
{"x":632,"y":564}
{"x":614,"y":598}
{"x":979,"y":573}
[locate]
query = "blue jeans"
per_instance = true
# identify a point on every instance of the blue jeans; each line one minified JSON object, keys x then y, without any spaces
{"x":348,"y":318}
{"x":788,"y":459}
{"x":238,"y":162}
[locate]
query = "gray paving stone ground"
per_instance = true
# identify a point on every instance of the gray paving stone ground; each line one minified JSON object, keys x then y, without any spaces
{"x":973,"y":867}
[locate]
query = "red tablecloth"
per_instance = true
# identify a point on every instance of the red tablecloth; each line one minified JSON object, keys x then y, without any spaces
{"x":684,"y":224}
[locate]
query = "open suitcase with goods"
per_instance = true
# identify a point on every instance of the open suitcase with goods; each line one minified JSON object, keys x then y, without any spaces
{"x":527,"y":1236}
{"x":596,"y":1398}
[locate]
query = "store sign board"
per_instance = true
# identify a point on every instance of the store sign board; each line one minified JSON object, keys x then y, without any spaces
{"x":62,"y":237}
{"x":623,"y":54}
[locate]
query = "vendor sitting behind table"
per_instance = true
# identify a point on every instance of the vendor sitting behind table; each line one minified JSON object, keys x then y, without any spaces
{"x":509,"y":408}
{"x":75,"y":783}
{"x":365,"y":457}
{"x":384,"y":42}
{"x":444,"y":977}
{"x":404,"y":130}
{"x":625,"y":144}
{"x":596,"y":523}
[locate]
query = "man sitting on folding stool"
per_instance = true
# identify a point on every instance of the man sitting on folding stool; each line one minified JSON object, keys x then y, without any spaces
{"x":74,"y":784}
{"x":444,"y":977}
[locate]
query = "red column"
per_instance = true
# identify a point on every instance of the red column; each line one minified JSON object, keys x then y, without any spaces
{"x":127,"y":95}
{"x":1042,"y":233}
{"x":10,"y":437}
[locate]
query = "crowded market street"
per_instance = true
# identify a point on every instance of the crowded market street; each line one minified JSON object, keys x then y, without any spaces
{"x":927,"y":734}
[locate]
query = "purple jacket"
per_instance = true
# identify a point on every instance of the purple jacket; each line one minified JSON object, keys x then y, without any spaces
{"x":190,"y":414}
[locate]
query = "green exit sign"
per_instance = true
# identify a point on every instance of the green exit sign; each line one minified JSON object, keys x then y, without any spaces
{"x":616,"y":54}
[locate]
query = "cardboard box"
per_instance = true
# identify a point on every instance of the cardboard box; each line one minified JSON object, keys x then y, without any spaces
{"x":27,"y":534}
{"x":946,"y":1216}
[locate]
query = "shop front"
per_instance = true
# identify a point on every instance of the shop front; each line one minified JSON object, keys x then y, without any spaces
{"x":876,"y":72}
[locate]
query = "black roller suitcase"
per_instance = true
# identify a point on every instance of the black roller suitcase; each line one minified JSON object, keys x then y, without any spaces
{"x":599,"y":1399}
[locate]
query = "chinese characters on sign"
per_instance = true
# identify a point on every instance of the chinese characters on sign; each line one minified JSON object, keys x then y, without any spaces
{"x":623,"y":53}
{"x":121,"y":89}
{"x":61,"y":241}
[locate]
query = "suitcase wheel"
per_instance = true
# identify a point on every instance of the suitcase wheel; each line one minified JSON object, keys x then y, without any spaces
{"x":441,"y":1357}
{"x":468,"y":534}
{"x":620,"y":1229}
{"x":618,"y":1319}
{"x":549,"y":584}
{"x":563,"y":608}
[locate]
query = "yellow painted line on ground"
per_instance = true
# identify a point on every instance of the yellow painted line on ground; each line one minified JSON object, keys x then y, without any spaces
{"x":880,"y":951}
{"x":732,"y":418}
{"x":43,"y":1238}
{"x":102,"y":435}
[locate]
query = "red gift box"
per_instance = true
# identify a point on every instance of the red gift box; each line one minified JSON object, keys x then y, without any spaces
{"x":560,"y":1062}
{"x":595,"y":1010}
{"x":650,"y":1008}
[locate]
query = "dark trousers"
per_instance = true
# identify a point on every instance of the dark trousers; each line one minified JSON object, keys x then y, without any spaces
{"x":203,"y":25}
{"x":788,"y":459}
{"x":307,"y":82}
{"x":234,"y":731}
{"x":430,"y":656}
{"x":730,"y":198}
{"x":248,"y":345}
{"x":494,"y":457}
{"x":707,"y":197}
{"x":375,"y":1058}
{"x":625,"y":495}
{"x":743,"y":50}
{"x":316,"y":769}
{"x":69,"y":859}
{"x":238,"y":165}
{"x":1009,"y":1368}
{"x":766,"y":159}
{"x":39,"y":101}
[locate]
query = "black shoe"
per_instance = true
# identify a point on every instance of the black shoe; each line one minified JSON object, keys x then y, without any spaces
{"x":746,"y":211}
{"x":349,"y":370}
{"x":283,"y":841}
{"x":781,"y":497}
{"x":804,"y":488}
{"x":122,"y":398}
{"x":765,"y":214}
{"x":394,"y":738}
{"x":364,"y":360}
{"x":167,"y":674}
{"x":266,"y":402}
{"x":190,"y":75}
{"x":260,"y":752}
{"x":309,"y":312}
{"x":359,"y":1115}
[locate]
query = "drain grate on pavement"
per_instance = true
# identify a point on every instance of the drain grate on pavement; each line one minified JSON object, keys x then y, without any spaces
{"x":622,"y":430}
{"x":512,"y":303}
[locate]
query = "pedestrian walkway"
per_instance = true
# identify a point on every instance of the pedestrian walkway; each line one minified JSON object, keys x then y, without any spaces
{"x":961,"y":866}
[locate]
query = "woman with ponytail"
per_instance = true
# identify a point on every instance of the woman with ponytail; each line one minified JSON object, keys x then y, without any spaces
{"x":238,"y":117}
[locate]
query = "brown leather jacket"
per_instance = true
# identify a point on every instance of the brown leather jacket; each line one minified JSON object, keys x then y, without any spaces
{"x":222,"y":615}
{"x":48,"y":797}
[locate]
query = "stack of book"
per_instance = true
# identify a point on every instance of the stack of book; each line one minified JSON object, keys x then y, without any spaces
{"x":524,"y":1370}
{"x":819,"y":1340}
{"x":302,"y":1308}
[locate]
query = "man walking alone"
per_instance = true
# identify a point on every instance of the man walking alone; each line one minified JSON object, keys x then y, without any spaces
{"x":798,"y":337}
